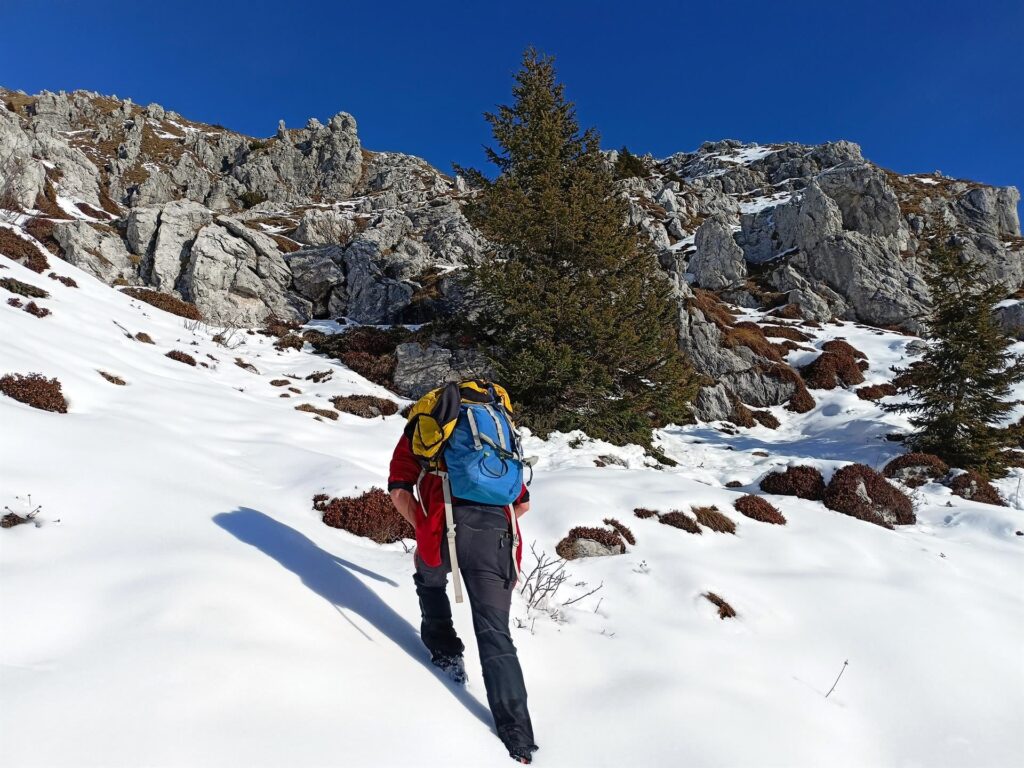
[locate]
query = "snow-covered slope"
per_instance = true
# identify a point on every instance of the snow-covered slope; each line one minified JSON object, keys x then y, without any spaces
{"x":181,"y":604}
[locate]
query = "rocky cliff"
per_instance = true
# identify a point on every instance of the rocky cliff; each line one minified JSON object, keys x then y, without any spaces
{"x":307,"y":223}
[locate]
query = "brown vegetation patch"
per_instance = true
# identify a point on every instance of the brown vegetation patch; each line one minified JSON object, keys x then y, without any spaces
{"x":711,"y":518}
{"x":713,"y":308}
{"x":366,"y":406}
{"x":750,"y":335}
{"x":370,"y":352}
{"x":22,"y":251}
{"x":725,"y":611}
{"x":801,"y":400}
{"x":34,"y":390}
{"x":874,"y":392}
{"x":680,"y":520}
{"x":566,"y":547}
{"x":247,"y":366}
{"x":801,"y":481}
{"x":181,"y":357}
{"x":788,"y":312}
{"x":34,"y":309}
{"x":371,"y":515}
{"x":279,"y":382}
{"x":970,"y":485}
{"x":12,"y":519}
{"x":318,"y":377}
{"x":623,"y":531}
{"x":857,"y":490}
{"x":843,"y":348}
{"x":278,"y":327}
{"x":643,"y":513}
{"x":741,"y":416}
{"x":832,"y":369}
{"x":112,"y":378}
{"x":144,"y":337}
{"x":766,"y":419}
{"x":165,"y":301}
{"x":286,"y":245}
{"x":63,"y":280}
{"x":290,"y":341}
{"x":760,"y":509}
{"x":27,"y":290}
{"x":310,"y":408}
{"x":916,"y":469}
{"x":46,"y":202}
{"x":734,"y":484}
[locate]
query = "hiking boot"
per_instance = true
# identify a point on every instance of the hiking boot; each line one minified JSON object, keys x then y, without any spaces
{"x":451,"y":665}
{"x":522,"y":754}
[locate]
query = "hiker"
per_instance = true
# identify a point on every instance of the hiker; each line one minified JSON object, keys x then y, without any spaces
{"x":461,"y":438}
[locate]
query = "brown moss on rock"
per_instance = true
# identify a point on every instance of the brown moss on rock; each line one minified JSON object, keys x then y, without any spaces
{"x":164,"y":301}
{"x":365,"y":406}
{"x":309,"y":408}
{"x":23,"y":251}
{"x":832,"y":369}
{"x":875,"y":392}
{"x":801,"y":481}
{"x":916,"y":469}
{"x":370,"y":515}
{"x":34,"y":390}
{"x":181,"y":357}
{"x":972,"y":486}
{"x":760,"y":509}
{"x":567,"y":549}
{"x":858,"y":491}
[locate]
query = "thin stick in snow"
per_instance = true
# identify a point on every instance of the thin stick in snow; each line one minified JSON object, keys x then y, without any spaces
{"x":837,"y":679}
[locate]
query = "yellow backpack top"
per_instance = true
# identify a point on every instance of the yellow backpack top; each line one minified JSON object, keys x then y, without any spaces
{"x":432,"y":419}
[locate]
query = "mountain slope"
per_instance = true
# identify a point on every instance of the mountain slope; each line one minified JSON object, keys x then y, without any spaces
{"x":181,"y":603}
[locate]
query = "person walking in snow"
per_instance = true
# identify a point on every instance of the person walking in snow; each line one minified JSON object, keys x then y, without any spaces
{"x":456,"y":476}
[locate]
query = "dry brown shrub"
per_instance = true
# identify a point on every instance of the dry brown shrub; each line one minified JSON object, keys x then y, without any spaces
{"x":42,"y":230}
{"x":318,"y":377}
{"x":784,"y":332}
{"x":734,"y":484}
{"x":181,"y":357}
{"x":112,"y":378}
{"x":366,"y":406}
{"x":371,"y":515}
{"x":278,"y":327}
{"x":800,"y":481}
{"x":971,"y":485}
{"x":788,"y":312}
{"x":63,"y":280}
{"x":725,"y":611}
{"x":247,"y":366}
{"x":27,"y":290}
{"x":741,"y":416}
{"x":566,"y":550}
{"x":711,"y":518}
{"x":34,"y":309}
{"x":623,"y":531}
{"x":643,"y":513}
{"x":15,"y":302}
{"x":22,"y":251}
{"x":801,"y":400}
{"x":857,"y":490}
{"x":760,"y":509}
{"x":286,"y":245}
{"x":12,"y":519}
{"x":844,"y":348}
{"x":916,"y":469}
{"x":713,"y":308}
{"x":291,"y":341}
{"x":875,"y":392}
{"x":35,"y":390}
{"x":766,"y":419}
{"x":680,"y":520}
{"x":309,"y":408}
{"x":830,"y":370}
{"x":95,"y":213}
{"x":165,"y":301}
{"x":144,"y":337}
{"x":750,"y":335}
{"x":279,"y":382}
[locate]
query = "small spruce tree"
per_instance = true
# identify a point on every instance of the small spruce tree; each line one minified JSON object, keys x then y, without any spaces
{"x":958,"y":392}
{"x":628,"y":165}
{"x":574,"y":312}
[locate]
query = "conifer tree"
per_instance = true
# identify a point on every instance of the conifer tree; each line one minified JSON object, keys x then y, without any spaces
{"x":959,"y":390}
{"x":574,"y":312}
{"x":628,"y":165}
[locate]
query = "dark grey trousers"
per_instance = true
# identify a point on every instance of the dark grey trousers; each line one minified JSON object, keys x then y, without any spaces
{"x":483,"y":544}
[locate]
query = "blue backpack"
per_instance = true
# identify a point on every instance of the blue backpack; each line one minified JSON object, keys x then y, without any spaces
{"x":483,"y":455}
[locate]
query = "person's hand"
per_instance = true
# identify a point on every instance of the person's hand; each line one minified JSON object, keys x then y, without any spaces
{"x":521,"y":509}
{"x":406,"y":505}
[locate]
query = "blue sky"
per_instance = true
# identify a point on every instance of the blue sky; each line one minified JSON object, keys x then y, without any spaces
{"x":920,"y":85}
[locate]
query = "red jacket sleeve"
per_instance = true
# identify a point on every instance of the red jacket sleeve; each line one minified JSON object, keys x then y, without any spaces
{"x":405,"y":469}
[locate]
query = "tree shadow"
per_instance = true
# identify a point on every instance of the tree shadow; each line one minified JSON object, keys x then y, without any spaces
{"x":333,"y":578}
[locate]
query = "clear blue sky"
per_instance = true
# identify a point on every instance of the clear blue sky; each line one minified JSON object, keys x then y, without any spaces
{"x":920,"y":85}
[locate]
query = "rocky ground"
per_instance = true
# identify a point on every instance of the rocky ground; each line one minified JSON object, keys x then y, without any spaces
{"x":307,"y":224}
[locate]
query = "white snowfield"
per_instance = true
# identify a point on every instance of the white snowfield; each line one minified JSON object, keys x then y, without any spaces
{"x":181,"y":604}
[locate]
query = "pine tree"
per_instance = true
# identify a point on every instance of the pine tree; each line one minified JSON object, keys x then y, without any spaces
{"x":628,"y":165}
{"x":958,"y":391}
{"x":575,"y":315}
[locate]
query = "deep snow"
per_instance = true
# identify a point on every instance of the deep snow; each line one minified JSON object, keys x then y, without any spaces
{"x":181,"y":604}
